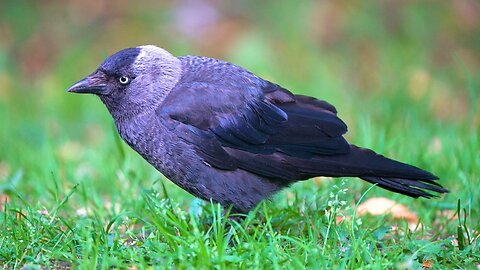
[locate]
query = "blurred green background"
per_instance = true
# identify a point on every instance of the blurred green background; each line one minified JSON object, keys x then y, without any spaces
{"x":404,"y":75}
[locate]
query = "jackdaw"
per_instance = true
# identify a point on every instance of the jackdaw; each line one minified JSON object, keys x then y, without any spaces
{"x":222,"y":133}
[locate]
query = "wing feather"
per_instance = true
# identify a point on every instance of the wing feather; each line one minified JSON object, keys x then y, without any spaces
{"x":253,"y":124}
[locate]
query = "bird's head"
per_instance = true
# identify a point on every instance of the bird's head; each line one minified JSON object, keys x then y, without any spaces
{"x":133,"y":80}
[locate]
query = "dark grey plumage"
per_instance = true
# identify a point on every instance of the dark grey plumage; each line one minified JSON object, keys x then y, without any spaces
{"x":222,"y":133}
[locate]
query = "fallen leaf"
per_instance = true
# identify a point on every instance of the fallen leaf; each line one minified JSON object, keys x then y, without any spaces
{"x":381,"y":206}
{"x":427,"y":264}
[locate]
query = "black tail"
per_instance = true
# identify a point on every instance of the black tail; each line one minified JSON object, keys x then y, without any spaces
{"x":374,"y":168}
{"x":412,"y":188}
{"x":396,"y":176}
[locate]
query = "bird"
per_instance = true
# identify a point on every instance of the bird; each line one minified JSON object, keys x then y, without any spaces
{"x":224,"y":134}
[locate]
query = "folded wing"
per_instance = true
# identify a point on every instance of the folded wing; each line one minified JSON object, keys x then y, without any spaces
{"x":267,"y":131}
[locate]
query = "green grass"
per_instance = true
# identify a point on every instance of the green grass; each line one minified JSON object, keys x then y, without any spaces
{"x":74,"y":195}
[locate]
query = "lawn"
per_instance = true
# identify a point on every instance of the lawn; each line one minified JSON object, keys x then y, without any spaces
{"x":405,"y":77}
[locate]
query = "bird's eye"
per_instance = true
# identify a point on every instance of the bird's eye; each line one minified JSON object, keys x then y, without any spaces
{"x":124,"y":80}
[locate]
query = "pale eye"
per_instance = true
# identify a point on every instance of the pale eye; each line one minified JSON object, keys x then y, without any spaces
{"x":124,"y":80}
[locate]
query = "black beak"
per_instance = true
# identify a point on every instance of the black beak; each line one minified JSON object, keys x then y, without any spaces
{"x":92,"y":84}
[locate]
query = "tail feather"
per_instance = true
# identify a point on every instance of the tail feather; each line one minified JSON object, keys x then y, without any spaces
{"x":386,"y":173}
{"x":412,"y":188}
{"x":373,"y":164}
{"x":400,"y":177}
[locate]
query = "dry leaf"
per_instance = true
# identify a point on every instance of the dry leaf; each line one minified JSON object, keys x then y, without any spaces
{"x":427,"y":264}
{"x":381,"y":206}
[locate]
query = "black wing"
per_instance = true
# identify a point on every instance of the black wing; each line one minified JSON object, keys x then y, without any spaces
{"x":256,"y":126}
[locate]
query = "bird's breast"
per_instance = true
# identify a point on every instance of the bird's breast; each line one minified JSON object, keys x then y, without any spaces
{"x":148,"y":137}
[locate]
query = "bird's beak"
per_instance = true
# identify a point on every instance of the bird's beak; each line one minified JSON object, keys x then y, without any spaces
{"x":92,"y":84}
